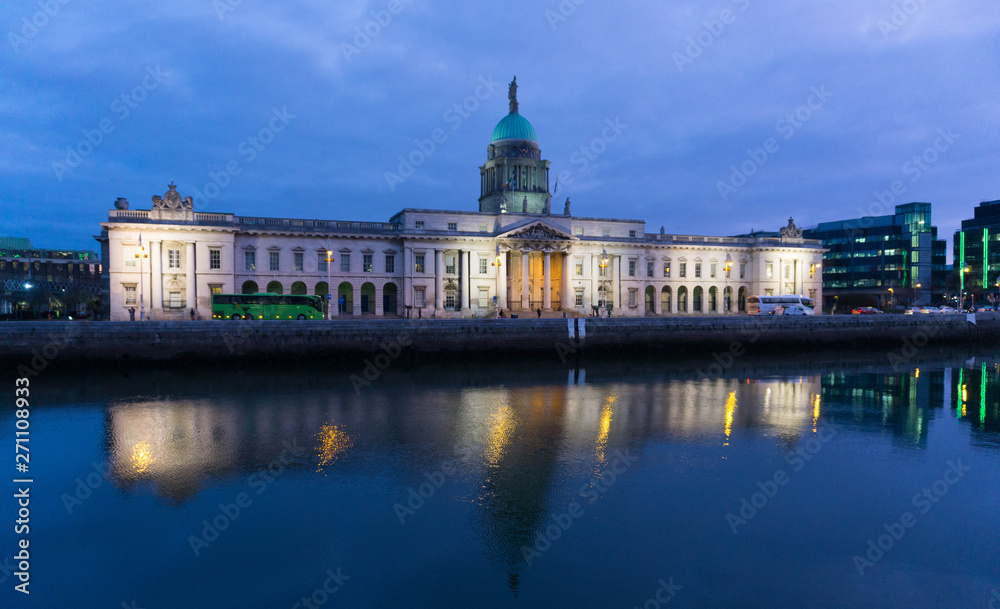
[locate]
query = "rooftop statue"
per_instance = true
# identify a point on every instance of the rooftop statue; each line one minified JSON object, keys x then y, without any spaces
{"x":512,"y":95}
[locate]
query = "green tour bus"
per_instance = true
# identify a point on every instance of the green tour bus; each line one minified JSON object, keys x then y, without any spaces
{"x":265,"y":305}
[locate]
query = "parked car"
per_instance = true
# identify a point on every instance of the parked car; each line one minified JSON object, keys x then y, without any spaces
{"x":793,"y":310}
{"x":912,"y":310}
{"x":947,"y":309}
{"x":865,"y":311}
{"x":985,"y":309}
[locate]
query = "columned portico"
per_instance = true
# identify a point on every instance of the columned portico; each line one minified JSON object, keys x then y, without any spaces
{"x":466,"y":262}
{"x":501,"y":281}
{"x":408,"y":277}
{"x":525,"y":273}
{"x":566,"y":303}
{"x":547,"y":282}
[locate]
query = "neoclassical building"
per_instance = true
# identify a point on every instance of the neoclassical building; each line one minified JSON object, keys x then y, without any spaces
{"x":514,"y":252}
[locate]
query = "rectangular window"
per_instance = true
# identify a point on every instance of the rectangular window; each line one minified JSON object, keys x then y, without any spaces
{"x":449,"y":299}
{"x":606,"y":232}
{"x":484,"y":228}
{"x":579,"y":231}
{"x":420,"y":224}
{"x":697,"y":269}
{"x":345,"y":263}
{"x":769,"y":270}
{"x":915,"y":258}
{"x":631,"y":268}
{"x":631,"y":298}
{"x":390,"y":263}
{"x":915,"y":241}
{"x":250,"y":261}
{"x":174,"y":259}
{"x":366,"y":263}
{"x":711,"y":270}
{"x":130,"y":294}
{"x":579,"y":268}
{"x":483,"y":266}
{"x":418,"y":263}
{"x":298,"y":256}
{"x":214,"y":259}
{"x":128,"y":263}
{"x":274,"y":260}
{"x":484,"y":298}
{"x":418,"y":297}
{"x":321,"y":262}
{"x":769,"y":292}
{"x":449,"y":265}
{"x":684,"y":269}
{"x":666,"y":269}
{"x":215,"y":288}
{"x":174,"y":300}
{"x":650,"y":269}
{"x":579,"y":298}
{"x":453,"y":226}
{"x":788,"y":270}
{"x":915,"y":272}
{"x":631,"y":234}
{"x":743,"y":270}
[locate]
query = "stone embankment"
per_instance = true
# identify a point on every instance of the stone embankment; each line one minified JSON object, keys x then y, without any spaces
{"x":196,"y":341}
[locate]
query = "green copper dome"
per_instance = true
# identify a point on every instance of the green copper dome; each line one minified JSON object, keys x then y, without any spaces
{"x":514,"y":127}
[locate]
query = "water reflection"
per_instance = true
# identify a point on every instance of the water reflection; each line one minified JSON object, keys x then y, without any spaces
{"x":536,"y":445}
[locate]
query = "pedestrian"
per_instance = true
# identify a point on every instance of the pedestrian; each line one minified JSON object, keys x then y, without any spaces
{"x":192,"y":314}
{"x":539,"y":312}
{"x":131,"y":313}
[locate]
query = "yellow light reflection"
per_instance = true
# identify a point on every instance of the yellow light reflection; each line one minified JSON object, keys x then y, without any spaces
{"x":815,"y":412}
{"x":602,"y":436}
{"x":502,"y":425}
{"x":917,"y":373}
{"x":142,"y":457}
{"x":333,"y":441}
{"x":730,"y":408}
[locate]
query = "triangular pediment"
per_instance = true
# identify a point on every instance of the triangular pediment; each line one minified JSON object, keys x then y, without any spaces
{"x":538,"y":230}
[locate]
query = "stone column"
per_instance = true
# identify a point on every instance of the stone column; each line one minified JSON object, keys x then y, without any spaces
{"x":547,"y":282}
{"x":407,"y":278}
{"x":525,"y":273}
{"x":191,"y":294}
{"x":155,"y":293}
{"x":502,"y":281}
{"x":567,"y":299}
{"x":595,"y":280}
{"x":465,"y":258}
{"x":616,"y":283}
{"x":438,"y":280}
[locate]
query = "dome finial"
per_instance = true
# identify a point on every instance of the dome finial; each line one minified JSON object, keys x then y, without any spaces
{"x":512,"y":95}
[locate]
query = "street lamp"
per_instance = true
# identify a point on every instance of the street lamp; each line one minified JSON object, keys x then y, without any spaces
{"x":329,"y":297}
{"x":140,"y":253}
{"x":604,"y":277}
{"x":725,"y":292}
{"x":961,"y":302}
{"x":892,"y":300}
{"x":497,"y":296}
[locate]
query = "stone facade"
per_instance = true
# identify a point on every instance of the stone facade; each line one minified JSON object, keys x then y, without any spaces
{"x":513,"y":254}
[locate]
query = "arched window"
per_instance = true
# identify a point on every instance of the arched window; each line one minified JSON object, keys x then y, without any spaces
{"x":682,"y":299}
{"x":713,"y":299}
{"x":345,"y":298}
{"x":743,"y":295}
{"x":274,"y":287}
{"x":696,"y":299}
{"x":389,"y":299}
{"x":322,"y":289}
{"x":665,"y":300}
{"x":250,"y":287}
{"x":650,"y":299}
{"x":367,"y":297}
{"x":727,"y":300}
{"x":299,"y":288}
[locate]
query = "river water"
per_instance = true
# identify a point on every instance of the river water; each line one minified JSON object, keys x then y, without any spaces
{"x":779,"y":484}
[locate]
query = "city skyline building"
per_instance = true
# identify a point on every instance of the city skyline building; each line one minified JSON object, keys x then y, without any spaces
{"x":976,"y":250}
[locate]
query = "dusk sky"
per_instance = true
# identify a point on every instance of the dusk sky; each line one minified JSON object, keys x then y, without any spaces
{"x":311,"y":105}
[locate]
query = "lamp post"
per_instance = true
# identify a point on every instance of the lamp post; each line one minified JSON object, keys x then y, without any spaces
{"x":892,"y":301}
{"x":140,"y":253}
{"x":812,"y":272}
{"x":725,"y":292}
{"x":496,"y":266}
{"x":329,"y":297}
{"x":604,"y":277}
{"x":961,"y":302}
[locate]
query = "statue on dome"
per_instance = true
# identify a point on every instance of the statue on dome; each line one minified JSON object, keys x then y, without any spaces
{"x":566,"y":207}
{"x":512,"y":95}
{"x":791,"y":230}
{"x":171,"y":200}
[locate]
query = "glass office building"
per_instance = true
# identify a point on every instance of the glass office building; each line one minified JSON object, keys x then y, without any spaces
{"x":977,"y":255}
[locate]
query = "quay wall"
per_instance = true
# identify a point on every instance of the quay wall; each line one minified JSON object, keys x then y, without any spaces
{"x":23,"y":342}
